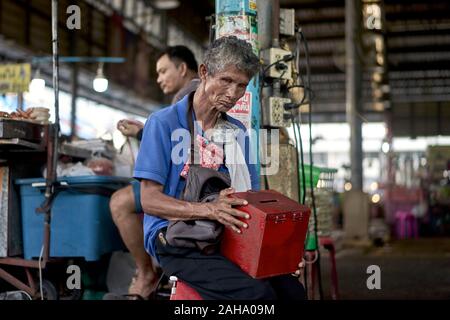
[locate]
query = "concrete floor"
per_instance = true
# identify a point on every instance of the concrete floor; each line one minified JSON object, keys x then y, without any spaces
{"x":410,"y":269}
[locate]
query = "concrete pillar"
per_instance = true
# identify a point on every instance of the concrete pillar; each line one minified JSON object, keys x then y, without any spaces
{"x":356,"y":202}
{"x":353,"y":13}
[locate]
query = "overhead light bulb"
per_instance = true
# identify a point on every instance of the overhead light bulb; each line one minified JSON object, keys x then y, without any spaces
{"x":100,"y":83}
{"x":37,"y":84}
{"x":376,"y":198}
{"x":385,"y":147}
{"x":374,"y":186}
{"x":166,"y":4}
{"x":347,"y":186}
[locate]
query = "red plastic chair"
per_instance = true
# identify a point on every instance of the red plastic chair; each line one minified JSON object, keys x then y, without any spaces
{"x":311,"y":265}
{"x":181,"y":291}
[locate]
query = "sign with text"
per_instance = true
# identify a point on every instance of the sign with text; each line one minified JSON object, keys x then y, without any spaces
{"x":14,"y":78}
{"x":242,"y":111}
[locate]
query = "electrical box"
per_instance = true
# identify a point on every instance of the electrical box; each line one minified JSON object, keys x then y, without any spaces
{"x":287,"y":22}
{"x":279,"y":69}
{"x":274,"y":113}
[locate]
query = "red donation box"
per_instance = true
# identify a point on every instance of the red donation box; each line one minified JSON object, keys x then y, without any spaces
{"x":274,"y":241}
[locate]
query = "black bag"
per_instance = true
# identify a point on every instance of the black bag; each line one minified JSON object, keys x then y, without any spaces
{"x":202,"y":185}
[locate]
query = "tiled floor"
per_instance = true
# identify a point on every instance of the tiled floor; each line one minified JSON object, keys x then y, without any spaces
{"x":410,"y":269}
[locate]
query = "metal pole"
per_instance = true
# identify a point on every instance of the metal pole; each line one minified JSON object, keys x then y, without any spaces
{"x":265,"y":39}
{"x":55,"y":61}
{"x":74,"y":59}
{"x":275,"y":23}
{"x":265,"y":9}
{"x":20,"y":101}
{"x":73,"y":111}
{"x":354,"y":89}
{"x":268,"y":36}
{"x":164,"y":25}
{"x":52,"y":142}
{"x":390,"y":181}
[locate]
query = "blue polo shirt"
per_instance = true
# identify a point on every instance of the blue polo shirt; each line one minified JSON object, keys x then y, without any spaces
{"x":164,"y":151}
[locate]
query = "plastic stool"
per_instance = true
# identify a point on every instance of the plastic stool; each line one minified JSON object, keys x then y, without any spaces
{"x":181,"y":291}
{"x":406,"y":225}
{"x":311,"y":265}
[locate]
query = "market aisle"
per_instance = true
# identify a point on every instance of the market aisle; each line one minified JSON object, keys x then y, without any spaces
{"x":410,"y":269}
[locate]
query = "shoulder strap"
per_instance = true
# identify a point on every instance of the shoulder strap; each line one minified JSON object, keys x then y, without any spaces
{"x":190,"y":121}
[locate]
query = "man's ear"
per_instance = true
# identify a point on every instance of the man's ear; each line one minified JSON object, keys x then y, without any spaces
{"x":183,"y":69}
{"x":202,"y":72}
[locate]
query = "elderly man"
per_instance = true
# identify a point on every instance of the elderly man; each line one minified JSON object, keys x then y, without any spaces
{"x":177,"y":74}
{"x":228,"y":66}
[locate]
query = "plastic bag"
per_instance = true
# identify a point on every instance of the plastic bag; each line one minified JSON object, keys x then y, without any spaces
{"x":101,"y":166}
{"x":125,"y":160}
{"x":71,"y":170}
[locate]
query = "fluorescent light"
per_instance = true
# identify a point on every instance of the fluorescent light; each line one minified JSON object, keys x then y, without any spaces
{"x":166,"y":4}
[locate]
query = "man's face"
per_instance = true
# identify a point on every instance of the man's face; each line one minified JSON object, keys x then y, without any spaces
{"x":225,"y":88}
{"x":170,"y":76}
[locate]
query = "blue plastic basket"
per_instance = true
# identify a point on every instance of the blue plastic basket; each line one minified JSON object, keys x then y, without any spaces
{"x":81,"y":223}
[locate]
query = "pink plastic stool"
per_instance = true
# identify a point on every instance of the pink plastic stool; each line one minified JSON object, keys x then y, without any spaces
{"x":406,"y":225}
{"x":312,"y":269}
{"x":181,"y":291}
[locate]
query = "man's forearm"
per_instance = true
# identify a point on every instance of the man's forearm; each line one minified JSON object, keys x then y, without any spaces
{"x":155,"y":202}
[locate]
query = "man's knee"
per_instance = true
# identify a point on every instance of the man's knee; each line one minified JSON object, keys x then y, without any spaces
{"x":122,"y":202}
{"x":263,"y":291}
{"x":257,"y":290}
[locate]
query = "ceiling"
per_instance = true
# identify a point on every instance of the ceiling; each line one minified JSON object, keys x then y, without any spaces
{"x":416,"y":34}
{"x":417,"y":41}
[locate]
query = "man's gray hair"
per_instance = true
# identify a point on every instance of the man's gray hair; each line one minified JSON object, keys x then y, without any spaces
{"x":227,"y":51}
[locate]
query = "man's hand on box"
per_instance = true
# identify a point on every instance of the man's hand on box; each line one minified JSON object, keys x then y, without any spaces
{"x":222,"y":210}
